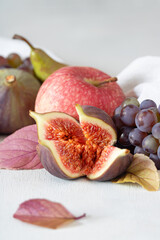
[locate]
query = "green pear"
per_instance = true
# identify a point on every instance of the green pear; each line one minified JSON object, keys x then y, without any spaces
{"x":43,"y":64}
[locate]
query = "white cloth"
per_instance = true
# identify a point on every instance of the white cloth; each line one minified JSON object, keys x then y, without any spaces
{"x":114,"y":211}
{"x":142,"y":76}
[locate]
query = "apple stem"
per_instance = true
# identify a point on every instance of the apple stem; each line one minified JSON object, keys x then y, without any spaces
{"x":112,"y":79}
{"x":16,"y":36}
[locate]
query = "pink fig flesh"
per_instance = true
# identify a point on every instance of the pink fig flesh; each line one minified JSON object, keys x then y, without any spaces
{"x":50,"y":164}
{"x":70,"y":150}
{"x":112,"y":163}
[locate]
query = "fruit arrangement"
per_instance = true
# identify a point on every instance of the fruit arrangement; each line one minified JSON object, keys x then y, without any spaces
{"x":86,"y":126}
{"x":138,"y":126}
{"x":20,"y":80}
{"x":71,"y":150}
{"x":13,"y":60}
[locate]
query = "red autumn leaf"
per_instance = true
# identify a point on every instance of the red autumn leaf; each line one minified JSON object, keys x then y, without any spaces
{"x":44,"y":213}
{"x":19,"y":150}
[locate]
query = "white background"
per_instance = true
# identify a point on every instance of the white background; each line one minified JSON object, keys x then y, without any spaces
{"x":107,"y":35}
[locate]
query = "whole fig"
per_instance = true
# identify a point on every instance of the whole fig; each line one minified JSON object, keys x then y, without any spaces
{"x":18,"y":90}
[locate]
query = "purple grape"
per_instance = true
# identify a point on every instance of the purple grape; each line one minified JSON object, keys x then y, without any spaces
{"x":129,"y":101}
{"x":117,"y":121}
{"x":155,"y":110}
{"x":123,"y":139}
{"x":145,"y":120}
{"x":136,"y":137}
{"x":155,"y":159}
{"x":117,"y":110}
{"x":158,"y":152}
{"x":131,"y":148}
{"x":159,"y":109}
{"x":147,"y":104}
{"x":128,"y":114}
{"x":150,"y":144}
{"x":140,"y":150}
{"x":156,"y":130}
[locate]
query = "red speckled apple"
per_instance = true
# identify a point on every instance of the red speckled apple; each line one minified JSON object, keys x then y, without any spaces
{"x":83,"y":85}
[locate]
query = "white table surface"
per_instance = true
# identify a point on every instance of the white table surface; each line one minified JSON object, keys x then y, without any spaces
{"x":122,"y":212}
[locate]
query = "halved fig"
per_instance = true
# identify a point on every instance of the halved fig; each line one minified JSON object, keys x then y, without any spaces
{"x":70,"y":150}
{"x":97,"y":125}
{"x":60,"y":138}
{"x":112,"y":163}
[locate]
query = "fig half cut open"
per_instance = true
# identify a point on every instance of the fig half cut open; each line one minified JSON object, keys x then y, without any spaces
{"x":69,"y":149}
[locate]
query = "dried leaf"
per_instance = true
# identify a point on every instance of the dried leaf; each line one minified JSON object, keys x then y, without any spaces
{"x":159,"y":174}
{"x":142,"y":171}
{"x":19,"y":150}
{"x":44,"y":213}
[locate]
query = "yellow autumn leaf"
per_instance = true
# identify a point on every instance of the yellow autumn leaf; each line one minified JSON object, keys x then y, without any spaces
{"x":159,"y":174}
{"x":142,"y":171}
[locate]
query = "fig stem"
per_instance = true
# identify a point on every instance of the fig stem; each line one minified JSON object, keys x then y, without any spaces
{"x":16,"y":36}
{"x":112,"y":79}
{"x":77,"y":218}
{"x":10,"y":79}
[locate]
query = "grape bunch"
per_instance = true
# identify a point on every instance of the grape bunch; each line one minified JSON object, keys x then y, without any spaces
{"x":13,"y":60}
{"x":138,"y":127}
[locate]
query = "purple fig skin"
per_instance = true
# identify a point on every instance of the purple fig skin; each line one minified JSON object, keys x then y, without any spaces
{"x":118,"y":167}
{"x":49,"y":163}
{"x":17,"y":97}
{"x":98,"y":113}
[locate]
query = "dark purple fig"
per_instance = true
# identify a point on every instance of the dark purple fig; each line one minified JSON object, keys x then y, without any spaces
{"x":18,"y":91}
{"x":70,"y":150}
